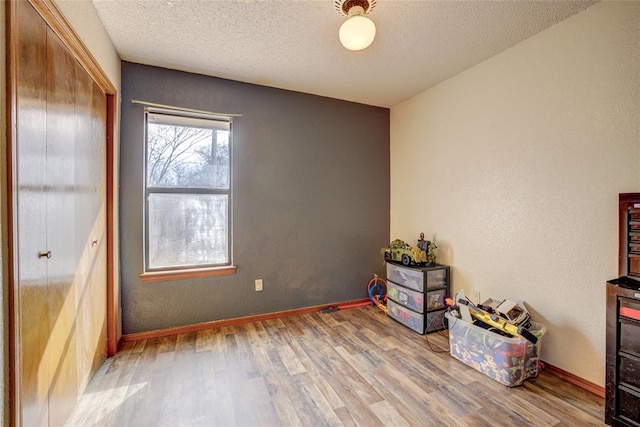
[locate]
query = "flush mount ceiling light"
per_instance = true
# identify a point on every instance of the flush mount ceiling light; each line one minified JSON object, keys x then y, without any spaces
{"x":358,"y":31}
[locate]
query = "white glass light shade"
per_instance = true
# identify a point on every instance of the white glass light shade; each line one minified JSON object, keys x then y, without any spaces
{"x":357,"y":32}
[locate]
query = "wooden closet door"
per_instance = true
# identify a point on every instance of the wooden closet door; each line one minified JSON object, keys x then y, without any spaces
{"x":60,"y":197}
{"x":61,"y":228}
{"x":33,"y":321}
{"x":91,"y":225}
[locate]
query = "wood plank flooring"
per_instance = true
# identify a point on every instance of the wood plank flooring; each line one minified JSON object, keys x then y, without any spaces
{"x":353,"y":367}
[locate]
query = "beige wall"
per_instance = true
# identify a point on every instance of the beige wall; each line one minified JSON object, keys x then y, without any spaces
{"x":516,"y":164}
{"x":84,"y":20}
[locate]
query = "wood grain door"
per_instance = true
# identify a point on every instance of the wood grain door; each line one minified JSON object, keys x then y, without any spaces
{"x":91,"y":282}
{"x":60,"y":179}
{"x":61,"y":193}
{"x":30,"y":163}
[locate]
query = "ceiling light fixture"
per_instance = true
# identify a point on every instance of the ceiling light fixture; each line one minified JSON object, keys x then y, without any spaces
{"x":358,"y":31}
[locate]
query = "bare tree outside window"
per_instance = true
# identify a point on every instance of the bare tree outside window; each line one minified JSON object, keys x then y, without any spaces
{"x":188,"y":192}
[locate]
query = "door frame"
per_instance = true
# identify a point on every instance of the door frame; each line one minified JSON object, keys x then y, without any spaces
{"x":54,"y":18}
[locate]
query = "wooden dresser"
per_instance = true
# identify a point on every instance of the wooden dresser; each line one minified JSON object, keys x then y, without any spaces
{"x":622,"y":405}
{"x":622,"y":399}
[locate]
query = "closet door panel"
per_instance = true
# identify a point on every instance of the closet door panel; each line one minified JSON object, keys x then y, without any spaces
{"x":33,"y":325}
{"x":61,"y":231}
{"x":97,"y":325}
{"x":82,"y":126}
{"x":96,"y":332}
{"x":90,"y":172}
{"x":84,"y":224}
{"x":98,"y":298}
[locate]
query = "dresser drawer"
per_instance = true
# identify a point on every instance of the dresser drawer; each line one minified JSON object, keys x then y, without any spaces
{"x":630,"y":308}
{"x":629,"y":406}
{"x":406,"y":297}
{"x":407,"y":277}
{"x":630,"y":370}
{"x":630,"y":336}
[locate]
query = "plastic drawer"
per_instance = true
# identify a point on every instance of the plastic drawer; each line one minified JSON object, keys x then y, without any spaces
{"x":412,"y":299}
{"x":435,"y":321}
{"x":436,"y":278}
{"x":407,"y":277}
{"x":408,"y":318}
{"x":507,"y":360}
{"x":416,"y":321}
{"x":435,"y":299}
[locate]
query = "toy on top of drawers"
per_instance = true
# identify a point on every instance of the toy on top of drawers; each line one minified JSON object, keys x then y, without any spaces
{"x":421,"y":254}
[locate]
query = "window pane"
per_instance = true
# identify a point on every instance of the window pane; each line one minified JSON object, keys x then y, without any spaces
{"x":188,"y":230}
{"x":187,"y":156}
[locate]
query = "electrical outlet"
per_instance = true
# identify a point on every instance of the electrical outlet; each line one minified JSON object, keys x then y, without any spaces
{"x":258,"y":284}
{"x":475,"y":295}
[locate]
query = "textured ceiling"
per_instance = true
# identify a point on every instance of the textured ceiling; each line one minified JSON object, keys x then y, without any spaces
{"x":294,"y":44}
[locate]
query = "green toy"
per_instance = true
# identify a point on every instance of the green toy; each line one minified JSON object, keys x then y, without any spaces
{"x":401,"y":251}
{"x":431,"y":255}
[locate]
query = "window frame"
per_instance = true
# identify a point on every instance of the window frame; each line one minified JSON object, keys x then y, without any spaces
{"x":154,"y":274}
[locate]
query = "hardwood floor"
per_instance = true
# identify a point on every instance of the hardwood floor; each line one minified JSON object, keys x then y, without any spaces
{"x":351,"y":367}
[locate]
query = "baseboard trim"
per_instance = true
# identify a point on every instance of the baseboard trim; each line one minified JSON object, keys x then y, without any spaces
{"x":159,"y":333}
{"x":575,"y":380}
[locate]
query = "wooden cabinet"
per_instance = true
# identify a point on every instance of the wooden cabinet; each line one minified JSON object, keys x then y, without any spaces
{"x":415,"y":295}
{"x":622,"y":405}
{"x":622,"y":391}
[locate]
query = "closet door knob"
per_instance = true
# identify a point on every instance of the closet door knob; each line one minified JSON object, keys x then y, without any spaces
{"x":94,"y":243}
{"x":44,"y":254}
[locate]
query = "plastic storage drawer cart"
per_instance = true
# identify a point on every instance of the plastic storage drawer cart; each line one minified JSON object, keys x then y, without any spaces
{"x":509,"y":361}
{"x":416,"y":295}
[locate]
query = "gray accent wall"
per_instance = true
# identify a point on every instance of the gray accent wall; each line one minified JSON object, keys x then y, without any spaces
{"x":310,"y":200}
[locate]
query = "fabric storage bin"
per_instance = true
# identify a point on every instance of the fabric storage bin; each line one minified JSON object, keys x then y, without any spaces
{"x":412,"y":299}
{"x":509,"y":361}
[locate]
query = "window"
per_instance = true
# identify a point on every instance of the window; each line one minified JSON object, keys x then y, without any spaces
{"x":187,"y":192}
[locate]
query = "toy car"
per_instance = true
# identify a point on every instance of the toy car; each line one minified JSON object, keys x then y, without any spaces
{"x":400,"y":251}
